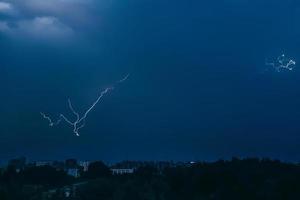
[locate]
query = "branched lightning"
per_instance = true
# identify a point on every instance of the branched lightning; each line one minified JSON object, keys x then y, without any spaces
{"x":79,"y":123}
{"x":282,"y":63}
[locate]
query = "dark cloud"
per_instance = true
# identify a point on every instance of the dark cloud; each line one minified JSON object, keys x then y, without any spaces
{"x":47,"y":20}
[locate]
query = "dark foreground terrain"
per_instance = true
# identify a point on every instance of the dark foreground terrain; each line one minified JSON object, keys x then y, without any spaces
{"x":245,"y":179}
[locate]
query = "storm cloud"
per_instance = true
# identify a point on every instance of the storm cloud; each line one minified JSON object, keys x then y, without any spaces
{"x":5,"y":7}
{"x":45,"y":20}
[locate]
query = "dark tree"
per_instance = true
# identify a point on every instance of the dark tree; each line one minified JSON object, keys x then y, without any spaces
{"x":97,"y":170}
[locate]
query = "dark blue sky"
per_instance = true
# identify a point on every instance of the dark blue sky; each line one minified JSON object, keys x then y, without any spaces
{"x":199,"y":87}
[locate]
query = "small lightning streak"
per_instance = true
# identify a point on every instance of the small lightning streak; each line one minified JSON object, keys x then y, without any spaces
{"x":282,"y":63}
{"x":124,"y":79}
{"x":79,"y":123}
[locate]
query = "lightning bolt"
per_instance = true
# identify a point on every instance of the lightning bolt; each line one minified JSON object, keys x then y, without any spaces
{"x":79,"y":123}
{"x":282,"y":63}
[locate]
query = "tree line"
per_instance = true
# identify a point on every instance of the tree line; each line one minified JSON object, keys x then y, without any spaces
{"x":237,"y":179}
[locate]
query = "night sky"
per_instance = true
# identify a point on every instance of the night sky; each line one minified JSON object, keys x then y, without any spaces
{"x":198,"y":89}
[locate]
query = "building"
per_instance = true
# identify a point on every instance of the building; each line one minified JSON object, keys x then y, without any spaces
{"x":84,"y":165}
{"x":43,"y":163}
{"x":122,"y":171}
{"x":73,"y":172}
{"x":71,"y":163}
{"x":18,"y":163}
